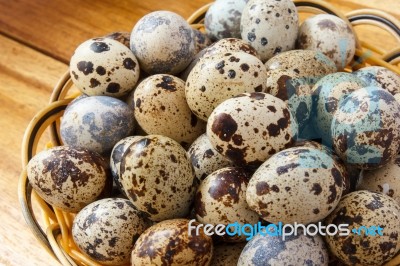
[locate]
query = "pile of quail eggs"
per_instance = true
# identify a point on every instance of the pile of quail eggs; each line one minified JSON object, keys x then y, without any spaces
{"x":252,"y":120}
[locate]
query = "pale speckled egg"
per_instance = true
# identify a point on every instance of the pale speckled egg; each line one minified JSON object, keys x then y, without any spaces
{"x":222,"y":19}
{"x":364,"y":208}
{"x":378,"y":76}
{"x":201,"y":41}
{"x":158,"y":178}
{"x":68,"y":178}
{"x":270,"y":26}
{"x":205,"y":159}
{"x":227,"y":254}
{"x":169,"y":243}
{"x":221,"y":199}
{"x":103,"y":66}
{"x":163,"y":42}
{"x":117,"y":154}
{"x":299,"y":184}
{"x":120,"y":36}
{"x":230,"y":45}
{"x":220,"y":77}
{"x":384,"y":180}
{"x":294,"y":250}
{"x":328,"y":93}
{"x":330,"y":35}
{"x":161,"y":108}
{"x":106,"y":230}
{"x":251,"y":127}
{"x":366,"y":128}
{"x":96,"y":123}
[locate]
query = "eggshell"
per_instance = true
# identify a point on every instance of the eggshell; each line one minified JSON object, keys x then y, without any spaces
{"x":163,"y":42}
{"x":201,"y":40}
{"x":366,"y":128}
{"x":251,"y":127}
{"x":227,"y":254}
{"x":270,"y":26}
{"x":230,"y":45}
{"x":294,"y":250}
{"x":103,"y":66}
{"x":328,"y":93}
{"x":330,"y":35}
{"x":120,"y":36}
{"x":380,"y":77}
{"x":222,"y":19}
{"x":169,"y":243}
{"x":205,"y":159}
{"x":221,"y":199}
{"x":96,"y":123}
{"x":384,"y":180}
{"x":67,"y":178}
{"x":364,"y":208}
{"x":161,"y":108}
{"x":220,"y":77}
{"x":106,"y":230}
{"x":300,"y":185}
{"x":158,"y":178}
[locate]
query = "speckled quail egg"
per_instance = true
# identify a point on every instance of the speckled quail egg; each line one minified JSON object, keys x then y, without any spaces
{"x":380,"y":77}
{"x":121,"y":36}
{"x":185,"y":73}
{"x":201,"y":41}
{"x":67,"y":178}
{"x":330,"y":35}
{"x":117,"y":154}
{"x":270,"y":26}
{"x":106,"y":230}
{"x":299,"y":184}
{"x":328,"y":93}
{"x":170,"y":243}
{"x":161,"y":108}
{"x":230,"y":45}
{"x":385,"y":180}
{"x":365,"y":212}
{"x":158,"y":178}
{"x":220,"y":77}
{"x":222,"y":19}
{"x":293,"y":250}
{"x":366,"y":128}
{"x":221,"y":199}
{"x":205,"y":159}
{"x":251,"y":127}
{"x":163,"y":42}
{"x":96,"y":123}
{"x":227,"y":254}
{"x":103,"y":66}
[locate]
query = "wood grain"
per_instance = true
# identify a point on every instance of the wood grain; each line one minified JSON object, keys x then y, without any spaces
{"x":37,"y":39}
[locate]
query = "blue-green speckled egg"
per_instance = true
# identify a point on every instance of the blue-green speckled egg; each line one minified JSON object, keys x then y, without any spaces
{"x":380,"y":77}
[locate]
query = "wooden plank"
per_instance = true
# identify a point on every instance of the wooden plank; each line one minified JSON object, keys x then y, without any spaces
{"x":26,"y":80}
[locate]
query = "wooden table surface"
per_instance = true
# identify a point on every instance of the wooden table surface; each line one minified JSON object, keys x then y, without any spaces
{"x":37,"y":39}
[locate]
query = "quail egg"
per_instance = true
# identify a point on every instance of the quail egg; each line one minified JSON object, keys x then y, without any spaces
{"x":201,"y":41}
{"x":122,"y":37}
{"x":380,"y":77}
{"x":230,"y":45}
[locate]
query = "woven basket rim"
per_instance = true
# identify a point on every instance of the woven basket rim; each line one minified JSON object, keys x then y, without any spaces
{"x":49,"y":117}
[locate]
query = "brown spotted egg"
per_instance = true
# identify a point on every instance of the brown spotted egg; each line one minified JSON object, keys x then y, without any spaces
{"x":201,"y":40}
{"x":270,"y":26}
{"x":380,"y":77}
{"x":161,"y":108}
{"x":96,"y":123}
{"x":67,"y":178}
{"x":220,"y":77}
{"x":293,"y":250}
{"x":158,"y":178}
{"x":222,"y":19}
{"x":221,"y":199}
{"x":299,"y":184}
{"x":163,"y":42}
{"x":361,"y":210}
{"x":104,"y":66}
{"x":330,"y":35}
{"x":170,"y":243}
{"x":205,"y":159}
{"x":226,"y":254}
{"x":251,"y":127}
{"x":121,"y":36}
{"x":366,"y":128}
{"x":385,"y":180}
{"x":328,"y":93}
{"x":106,"y":230}
{"x":230,"y":45}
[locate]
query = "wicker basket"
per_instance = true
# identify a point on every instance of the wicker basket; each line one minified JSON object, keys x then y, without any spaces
{"x":55,"y":235}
